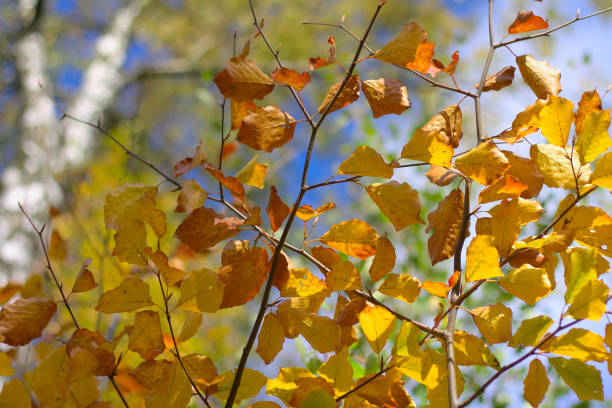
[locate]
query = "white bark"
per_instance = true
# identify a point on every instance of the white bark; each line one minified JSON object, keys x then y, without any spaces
{"x":44,"y":151}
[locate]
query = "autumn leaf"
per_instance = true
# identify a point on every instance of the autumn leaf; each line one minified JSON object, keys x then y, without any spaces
{"x":170,"y":274}
{"x":385,"y":96}
{"x":582,"y":378}
{"x":527,"y":283}
{"x":593,"y":138}
{"x":442,"y":176}
{"x":365,"y":161}
{"x":88,"y":353}
{"x":191,"y":325}
{"x":85,"y":280}
{"x":343,"y":276}
{"x":240,"y":261}
{"x":319,"y":62}
{"x":238,"y":110}
{"x":437,"y":66}
{"x":499,"y":80}
{"x":484,"y":164}
{"x":590,"y":301}
{"x":531,"y":331}
{"x":253,"y":173}
{"x":555,"y":120}
{"x":525,"y":170}
{"x":554,"y":164}
{"x":191,"y":196}
{"x":602,"y":176}
{"x":439,"y":289}
{"x":201,"y":292}
{"x":398,"y":201}
{"x":242,"y":80}
{"x":348,"y":95}
{"x":302,"y":283}
{"x":539,"y":76}
{"x":589,"y":102}
{"x":482,"y":259}
{"x":505,"y":225}
{"x":471,"y":350}
{"x":352,"y":237}
{"x":410,"y":49}
{"x":266,"y":128}
{"x":172,"y":390}
{"x":494,"y":322}
{"x":229,"y":182}
{"x":579,"y":343}
{"x":24,"y":320}
{"x":338,"y":371}
{"x":271,"y":338}
{"x":527,"y":21}
{"x":377,"y":324}
{"x":290,"y":77}
{"x":146,"y":336}
{"x":15,"y":395}
{"x":403,"y":287}
{"x":57,"y":247}
{"x":277,"y":210}
{"x":506,"y":187}
{"x":306,"y":212}
{"x":536,"y":383}
{"x":384,"y":259}
{"x":204,"y":228}
{"x":445,"y":221}
{"x":132,"y":294}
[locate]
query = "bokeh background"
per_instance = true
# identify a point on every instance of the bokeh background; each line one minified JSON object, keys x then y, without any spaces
{"x":144,"y":69}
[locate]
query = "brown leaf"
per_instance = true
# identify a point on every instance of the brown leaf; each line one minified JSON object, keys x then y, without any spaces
{"x":170,"y":274}
{"x":442,"y":176}
{"x":85,"y":280}
{"x":291,"y":78}
{"x":242,"y":80}
{"x":499,"y":80}
{"x":266,"y":129}
{"x":88,"y":353}
{"x":243,"y":272}
{"x":276,"y":209}
{"x":204,"y":228}
{"x":24,"y":320}
{"x":349,"y":94}
{"x":229,"y":182}
{"x":385,"y":96}
{"x":541,"y":78}
{"x":527,"y":21}
{"x":445,"y":221}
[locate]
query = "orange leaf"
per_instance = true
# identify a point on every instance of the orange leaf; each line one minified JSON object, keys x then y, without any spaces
{"x":454,"y":278}
{"x":436,"y":66}
{"x":589,"y":102}
{"x":349,"y":94}
{"x":242,"y":80}
{"x":319,"y":62}
{"x":410,"y":49}
{"x":58,"y":248}
{"x":527,"y":21}
{"x":24,"y":320}
{"x":229,"y":182}
{"x":306,"y":212}
{"x":238,"y":110}
{"x":291,"y":78}
{"x":276,"y":209}
{"x":204,"y":228}
{"x":439,"y":289}
{"x":243,"y":272}
{"x":385,"y":96}
{"x":384,"y":259}
{"x":266,"y":128}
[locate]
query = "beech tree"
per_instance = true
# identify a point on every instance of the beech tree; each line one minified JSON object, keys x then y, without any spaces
{"x":196,"y":242}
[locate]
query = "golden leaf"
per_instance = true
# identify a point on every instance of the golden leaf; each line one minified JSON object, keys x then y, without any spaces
{"x":385,"y":96}
{"x":398,"y":201}
{"x":384,"y":259}
{"x":554,"y":164}
{"x":377,"y":324}
{"x":531,"y":331}
{"x":191,"y":196}
{"x":253,"y":173}
{"x":403,"y":287}
{"x":593,"y":139}
{"x":24,"y":320}
{"x":88,"y":353}
{"x":589,"y":102}
{"x":15,"y":395}
{"x":579,"y":343}
{"x":536,"y":383}
{"x":85,"y":280}
{"x":191,"y":325}
{"x":352,"y":237}
{"x":484,"y":164}
{"x":306,"y":212}
{"x":471,"y":350}
{"x":242,"y":80}
{"x":602,"y":176}
{"x":590,"y":301}
{"x":541,"y":78}
{"x":494,"y":322}
{"x":555,"y":120}
{"x":146,"y":336}
{"x":271,"y":338}
{"x":338,"y":371}
{"x":482,"y":259}
{"x":343,"y":276}
{"x":525,"y":170}
{"x":266,"y":128}
{"x":365,"y":161}
{"x":132,"y":294}
{"x":527,"y":283}
{"x":410,"y":49}
{"x":201,"y":292}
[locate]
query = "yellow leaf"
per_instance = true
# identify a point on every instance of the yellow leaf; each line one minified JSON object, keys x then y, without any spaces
{"x":580,"y":267}
{"x":243,"y":272}
{"x":445,"y":220}
{"x":470,"y":350}
{"x":190,"y":328}
{"x":352,"y":237}
{"x":349,"y":94}
{"x":428,"y":368}
{"x":385,"y":96}
{"x":250,"y":384}
{"x":439,"y":289}
{"x":343,"y":276}
{"x":594,"y":138}
{"x":583,"y":379}
{"x":285,"y":384}
{"x":507,"y":186}
{"x":384,"y":259}
{"x":6,"y":368}
{"x":554,"y":164}
{"x":203,"y":372}
{"x":191,"y":196}
{"x":302,"y":283}
{"x":529,"y":211}
{"x":541,"y":78}
{"x":377,"y":324}
{"x":146,"y":336}
{"x":494,"y":322}
{"x":531,"y":331}
{"x":48,"y":379}
{"x":306,"y":212}
{"x":484,"y":164}
{"x":130,"y":242}
{"x":365,"y":161}
{"x":589,"y":102}
{"x":407,"y":341}
{"x":403,"y":287}
{"x":201,"y":292}
{"x":88,"y":353}
{"x":579,"y":343}
{"x":429,"y":147}
{"x":555,"y":120}
{"x":321,"y":332}
{"x":15,"y":395}
{"x":242,"y":80}
{"x":536,"y":383}
{"x":338,"y":371}
{"x":172,"y":390}
{"x":271,"y":338}
{"x":409,"y":49}
{"x":24,"y":320}
{"x":132,"y":294}
{"x":57,"y":247}
{"x":525,"y":170}
{"x":527,"y":283}
{"x":602,"y":176}
{"x":505,"y":225}
{"x":482,"y":259}
{"x":399,"y":202}
{"x":253,"y":173}
{"x":590,"y":301}
{"x":204,"y":228}
{"x":266,"y":128}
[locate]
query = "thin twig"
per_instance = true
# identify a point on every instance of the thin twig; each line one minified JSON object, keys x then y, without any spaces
{"x":548,"y":32}
{"x":483,"y":77}
{"x":220,"y":164}
{"x":266,"y":294}
{"x":329,"y":183}
{"x":39,"y":232}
